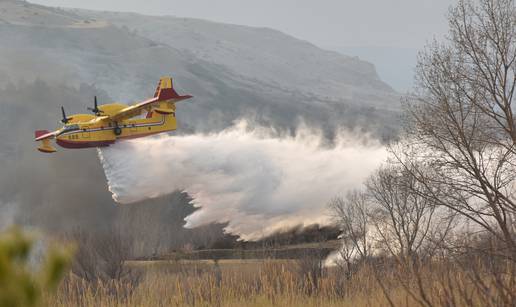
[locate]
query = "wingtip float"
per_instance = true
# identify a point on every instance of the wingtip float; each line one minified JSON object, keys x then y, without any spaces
{"x":115,"y":121}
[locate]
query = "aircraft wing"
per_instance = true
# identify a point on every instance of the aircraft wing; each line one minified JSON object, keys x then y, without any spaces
{"x":133,"y":110}
{"x":164,"y":92}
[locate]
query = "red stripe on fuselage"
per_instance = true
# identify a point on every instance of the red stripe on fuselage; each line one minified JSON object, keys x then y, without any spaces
{"x":83,"y":144}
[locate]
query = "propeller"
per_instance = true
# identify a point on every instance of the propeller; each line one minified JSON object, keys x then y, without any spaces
{"x":95,"y":108}
{"x":65,"y":119}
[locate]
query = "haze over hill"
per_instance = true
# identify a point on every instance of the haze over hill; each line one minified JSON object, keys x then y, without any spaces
{"x":231,"y":70}
{"x":60,"y":57}
{"x":395,"y":65}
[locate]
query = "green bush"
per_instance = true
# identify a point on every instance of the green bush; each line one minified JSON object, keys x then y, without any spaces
{"x":22,"y":284}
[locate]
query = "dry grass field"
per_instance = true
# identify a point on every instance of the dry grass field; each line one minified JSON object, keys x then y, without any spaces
{"x":225,"y":283}
{"x":265,"y":283}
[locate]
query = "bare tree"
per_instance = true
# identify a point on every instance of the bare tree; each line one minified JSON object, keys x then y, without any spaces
{"x":114,"y":250}
{"x":408,"y":227}
{"x":404,"y":220}
{"x":461,"y":121}
{"x":310,"y":269}
{"x":352,"y":216}
{"x":86,"y":263}
{"x":459,"y":151}
{"x":102,"y":257}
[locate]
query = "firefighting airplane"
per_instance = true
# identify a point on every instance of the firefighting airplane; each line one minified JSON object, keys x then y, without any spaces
{"x":116,"y":121}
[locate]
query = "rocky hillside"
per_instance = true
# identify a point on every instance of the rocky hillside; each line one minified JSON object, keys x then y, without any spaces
{"x":262,"y":56}
{"x":233,"y":71}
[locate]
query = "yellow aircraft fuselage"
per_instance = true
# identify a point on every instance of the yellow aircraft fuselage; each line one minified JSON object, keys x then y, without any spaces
{"x":86,"y":130}
{"x":115,"y":121}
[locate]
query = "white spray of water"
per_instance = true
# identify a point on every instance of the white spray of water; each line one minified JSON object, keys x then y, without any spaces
{"x":256,"y":182}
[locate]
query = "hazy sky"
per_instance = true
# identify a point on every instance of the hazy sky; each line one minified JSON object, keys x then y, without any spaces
{"x":386,"y":23}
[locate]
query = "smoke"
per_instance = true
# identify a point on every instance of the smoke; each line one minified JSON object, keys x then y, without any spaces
{"x":256,"y":180}
{"x":7,"y":218}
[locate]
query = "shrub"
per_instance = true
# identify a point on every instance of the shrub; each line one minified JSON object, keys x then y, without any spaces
{"x":22,"y":284}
